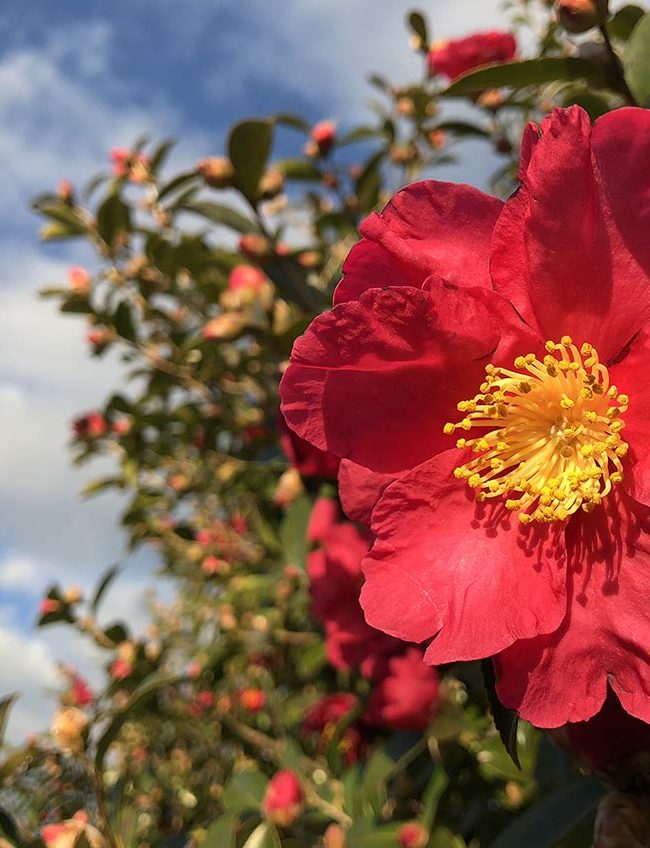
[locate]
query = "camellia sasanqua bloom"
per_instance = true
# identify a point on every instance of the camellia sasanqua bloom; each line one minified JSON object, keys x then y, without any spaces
{"x":453,"y":58}
{"x":483,"y":374}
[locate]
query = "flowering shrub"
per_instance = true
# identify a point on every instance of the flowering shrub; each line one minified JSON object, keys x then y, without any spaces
{"x":465,"y":427}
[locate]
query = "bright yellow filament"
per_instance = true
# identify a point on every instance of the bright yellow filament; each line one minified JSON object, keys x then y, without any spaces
{"x":552,"y":441}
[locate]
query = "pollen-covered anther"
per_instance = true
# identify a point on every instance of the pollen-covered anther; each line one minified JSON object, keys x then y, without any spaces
{"x":550,"y":439}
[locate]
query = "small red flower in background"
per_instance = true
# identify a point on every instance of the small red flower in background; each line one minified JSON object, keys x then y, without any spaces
{"x":519,"y":332}
{"x":412,"y":835}
{"x":129,"y":165}
{"x":322,"y":137}
{"x":48,"y":605}
{"x":79,"y":280}
{"x":405,"y":694}
{"x":246,"y":277}
{"x":460,"y":55}
{"x":335,"y":583}
{"x":284,"y":798}
{"x":252,"y":700}
{"x":120,"y":669}
{"x":322,"y":718}
{"x":308,"y":460}
{"x":90,"y":426}
{"x":80,"y":694}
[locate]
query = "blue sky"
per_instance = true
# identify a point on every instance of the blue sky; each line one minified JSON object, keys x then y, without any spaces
{"x":76,"y":79}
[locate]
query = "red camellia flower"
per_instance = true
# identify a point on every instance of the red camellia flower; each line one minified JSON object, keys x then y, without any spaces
{"x":89,"y":426}
{"x":322,"y":718}
{"x":484,"y":365}
{"x":335,"y":583}
{"x":283,"y":800}
{"x":413,"y":835}
{"x":453,"y":58}
{"x":308,"y":460}
{"x":80,"y":693}
{"x":252,"y":700}
{"x":405,"y":695}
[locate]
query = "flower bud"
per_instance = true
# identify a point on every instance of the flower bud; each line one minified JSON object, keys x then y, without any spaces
{"x":334,"y":837}
{"x":48,"y":606}
{"x":246,"y":277}
{"x":271,"y":183}
{"x":412,"y":835}
{"x":216,"y":171}
{"x":252,"y":700}
{"x":72,"y":595}
{"x":578,"y":16}
{"x":79,"y":280}
{"x":120,"y":669}
{"x":289,"y":487}
{"x":284,"y":799}
{"x":226,"y":326}
{"x":65,"y":191}
{"x":66,"y":833}
{"x":323,"y":134}
{"x":68,"y":728}
{"x":256,"y":247}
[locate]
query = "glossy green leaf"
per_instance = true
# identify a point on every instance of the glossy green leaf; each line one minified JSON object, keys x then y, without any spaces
{"x":265,"y":835}
{"x":432,"y":795}
{"x":529,"y":72}
{"x":178,"y":182}
{"x":418,"y":25}
{"x":222,"y":833}
{"x":160,"y":154}
{"x":462,"y":129}
{"x":298,"y":169}
{"x":8,"y":828}
{"x":359,"y":134}
{"x":113,"y":219}
{"x":103,"y":586}
{"x":124,"y":322}
{"x":293,"y":121}
{"x":293,"y":531}
{"x":552,"y":817}
{"x":636,"y":61}
{"x":623,"y":22}
{"x":249,"y":148}
{"x":244,"y":791}
{"x":217,"y":213}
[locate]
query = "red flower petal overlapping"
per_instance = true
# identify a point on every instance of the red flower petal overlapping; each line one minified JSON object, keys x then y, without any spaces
{"x":483,"y":377}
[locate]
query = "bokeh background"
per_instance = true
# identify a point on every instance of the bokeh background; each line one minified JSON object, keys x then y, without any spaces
{"x":75,"y":80}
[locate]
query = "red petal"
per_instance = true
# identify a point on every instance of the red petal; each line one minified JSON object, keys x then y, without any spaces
{"x":571,"y":249}
{"x":427,"y":228}
{"x":605,"y":636}
{"x":360,"y":489}
{"x":471,"y":573}
{"x":630,"y":377}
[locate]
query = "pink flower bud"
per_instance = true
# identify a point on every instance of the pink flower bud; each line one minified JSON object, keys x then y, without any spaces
{"x":284,"y":799}
{"x":246,"y":277}
{"x":412,"y":835}
{"x":578,"y":16}
{"x":79,"y":279}
{"x":48,"y":605}
{"x":252,"y":700}
{"x":324,"y":134}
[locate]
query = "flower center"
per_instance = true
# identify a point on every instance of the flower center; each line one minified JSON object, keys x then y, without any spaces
{"x":552,"y":440}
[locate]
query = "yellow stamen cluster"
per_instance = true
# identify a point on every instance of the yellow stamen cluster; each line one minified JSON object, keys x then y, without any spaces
{"x":552,"y":442}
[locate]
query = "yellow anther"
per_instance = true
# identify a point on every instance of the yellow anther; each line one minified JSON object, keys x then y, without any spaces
{"x":545,"y":420}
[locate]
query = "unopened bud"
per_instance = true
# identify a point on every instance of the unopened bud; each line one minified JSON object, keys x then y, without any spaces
{"x":578,"y":16}
{"x":412,"y":835}
{"x":271,"y":184}
{"x":216,"y":171}
{"x":68,"y":728}
{"x":226,"y":326}
{"x":284,"y":799}
{"x":288,"y":488}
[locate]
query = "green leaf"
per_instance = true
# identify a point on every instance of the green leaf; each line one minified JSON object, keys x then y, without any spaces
{"x":419,"y":27}
{"x":529,"y":72}
{"x":624,"y":21}
{"x":5,"y":706}
{"x":64,"y":215}
{"x":359,"y":134}
{"x":299,"y":169}
{"x":220,"y":214}
{"x":294,"y":121}
{"x":124,"y":323}
{"x":293,"y":531}
{"x":100,"y":485}
{"x":244,"y":791}
{"x":462,"y":128}
{"x":141,"y":695}
{"x":368,"y":185}
{"x":222,"y":833}
{"x":116,"y":632}
{"x":506,"y":721}
{"x":113,"y":219}
{"x":249,"y":148}
{"x":636,"y":61}
{"x":552,"y":817}
{"x":176,"y":183}
{"x":106,"y":580}
{"x":160,"y":155}
{"x":379,"y":82}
